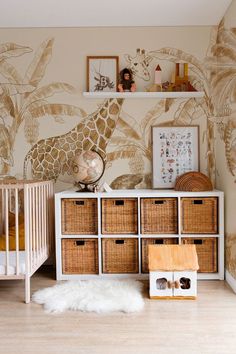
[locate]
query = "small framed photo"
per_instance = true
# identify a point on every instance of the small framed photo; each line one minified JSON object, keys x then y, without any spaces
{"x":102,"y":73}
{"x":175,"y":151}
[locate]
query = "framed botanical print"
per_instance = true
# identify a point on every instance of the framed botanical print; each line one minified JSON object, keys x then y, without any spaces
{"x":175,"y":151}
{"x":102,"y":73}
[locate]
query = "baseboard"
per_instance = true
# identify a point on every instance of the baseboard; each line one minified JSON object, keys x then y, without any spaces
{"x":230,"y":280}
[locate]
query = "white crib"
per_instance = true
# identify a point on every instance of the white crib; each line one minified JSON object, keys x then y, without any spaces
{"x":26,"y":228}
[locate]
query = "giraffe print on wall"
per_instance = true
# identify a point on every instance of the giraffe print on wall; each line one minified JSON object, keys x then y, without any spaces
{"x":139,"y":64}
{"x":22,"y":101}
{"x":52,"y":156}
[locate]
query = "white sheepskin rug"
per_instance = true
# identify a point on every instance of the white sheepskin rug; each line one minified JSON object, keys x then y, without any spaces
{"x":101,"y":296}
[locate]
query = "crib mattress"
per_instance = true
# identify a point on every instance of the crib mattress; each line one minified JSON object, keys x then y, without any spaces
{"x":12,"y":262}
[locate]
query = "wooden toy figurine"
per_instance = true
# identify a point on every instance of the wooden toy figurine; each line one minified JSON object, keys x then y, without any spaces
{"x":157,"y":81}
{"x":126,"y":81}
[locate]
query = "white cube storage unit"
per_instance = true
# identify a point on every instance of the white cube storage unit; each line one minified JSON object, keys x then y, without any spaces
{"x":109,"y":232}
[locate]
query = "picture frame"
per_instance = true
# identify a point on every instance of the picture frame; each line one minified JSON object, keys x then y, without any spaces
{"x":102,"y":73}
{"x":175,"y":150}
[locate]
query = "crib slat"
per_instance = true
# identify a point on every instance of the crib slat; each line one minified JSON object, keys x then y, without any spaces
{"x":44,"y":220}
{"x":40,"y":222}
{"x":35,"y":203}
{"x":30,"y":212}
{"x":7,"y":229}
{"x":17,"y":230}
{"x":51,"y":220}
{"x":2,"y":212}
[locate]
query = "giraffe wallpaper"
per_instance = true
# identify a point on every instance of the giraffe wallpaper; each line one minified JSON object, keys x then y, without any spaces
{"x":45,"y":120}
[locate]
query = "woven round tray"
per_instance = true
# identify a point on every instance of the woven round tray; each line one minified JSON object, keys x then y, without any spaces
{"x":193,"y":182}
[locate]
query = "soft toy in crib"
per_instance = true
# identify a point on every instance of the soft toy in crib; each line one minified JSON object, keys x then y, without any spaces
{"x":12,"y":233}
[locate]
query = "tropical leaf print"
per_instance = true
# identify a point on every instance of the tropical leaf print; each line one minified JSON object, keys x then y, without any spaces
{"x":37,"y":68}
{"x":8,"y":50}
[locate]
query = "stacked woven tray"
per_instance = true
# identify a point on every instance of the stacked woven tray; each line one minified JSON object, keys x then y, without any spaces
{"x":193,"y":182}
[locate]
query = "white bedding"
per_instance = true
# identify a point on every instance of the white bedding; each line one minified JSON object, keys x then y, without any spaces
{"x":12,"y":262}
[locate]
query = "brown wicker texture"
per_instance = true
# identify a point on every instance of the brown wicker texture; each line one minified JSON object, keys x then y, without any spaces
{"x":153,"y":241}
{"x":159,"y":216}
{"x":79,"y":256}
{"x":206,"y":251}
{"x":193,"y":182}
{"x":119,"y":216}
{"x":79,"y":216}
{"x":199,"y":215}
{"x":120,"y":255}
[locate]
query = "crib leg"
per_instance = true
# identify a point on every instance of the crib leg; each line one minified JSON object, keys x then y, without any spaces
{"x":27,"y":290}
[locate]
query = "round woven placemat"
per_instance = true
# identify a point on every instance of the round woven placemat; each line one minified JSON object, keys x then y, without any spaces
{"x":193,"y":182}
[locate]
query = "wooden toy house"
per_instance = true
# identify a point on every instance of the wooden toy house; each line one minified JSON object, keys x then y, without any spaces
{"x":173,"y":271}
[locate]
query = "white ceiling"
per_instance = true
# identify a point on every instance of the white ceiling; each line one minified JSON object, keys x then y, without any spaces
{"x":93,"y":13}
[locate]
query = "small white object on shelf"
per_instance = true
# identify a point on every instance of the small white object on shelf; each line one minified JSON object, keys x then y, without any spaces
{"x":190,"y":94}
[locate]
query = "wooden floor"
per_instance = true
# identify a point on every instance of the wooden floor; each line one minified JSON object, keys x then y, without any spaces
{"x":202,"y":326}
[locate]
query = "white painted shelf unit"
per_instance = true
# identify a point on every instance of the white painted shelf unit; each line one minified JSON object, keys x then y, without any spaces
{"x":139,"y":235}
{"x":160,"y":95}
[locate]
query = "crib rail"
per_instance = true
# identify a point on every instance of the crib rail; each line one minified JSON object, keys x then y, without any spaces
{"x":34,"y":200}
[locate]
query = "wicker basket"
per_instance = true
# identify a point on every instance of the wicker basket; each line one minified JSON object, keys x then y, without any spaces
{"x":79,"y":216}
{"x":120,"y":255}
{"x":207,"y":253}
{"x":159,"y":216}
{"x":193,"y":181}
{"x":79,"y":256}
{"x":153,"y":241}
{"x":199,"y":215}
{"x":119,"y":216}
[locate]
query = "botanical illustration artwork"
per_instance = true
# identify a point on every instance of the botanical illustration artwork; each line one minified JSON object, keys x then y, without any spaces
{"x":102,"y":73}
{"x":23,"y":101}
{"x":175,"y":151}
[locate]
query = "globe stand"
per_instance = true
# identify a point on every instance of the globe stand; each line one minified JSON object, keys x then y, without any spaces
{"x":84,"y":189}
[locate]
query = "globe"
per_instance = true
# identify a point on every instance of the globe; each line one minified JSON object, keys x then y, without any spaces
{"x":87,"y":167}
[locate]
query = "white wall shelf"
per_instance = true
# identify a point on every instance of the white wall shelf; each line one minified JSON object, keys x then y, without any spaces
{"x":140,"y":234}
{"x":160,"y":95}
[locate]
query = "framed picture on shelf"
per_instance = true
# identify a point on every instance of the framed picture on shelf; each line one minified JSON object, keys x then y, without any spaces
{"x":102,"y":73}
{"x":175,"y":151}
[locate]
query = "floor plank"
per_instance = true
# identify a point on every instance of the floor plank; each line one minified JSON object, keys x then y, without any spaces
{"x":203,"y":326}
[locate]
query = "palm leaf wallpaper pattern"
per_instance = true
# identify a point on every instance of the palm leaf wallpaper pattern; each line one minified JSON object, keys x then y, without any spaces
{"x":23,"y":101}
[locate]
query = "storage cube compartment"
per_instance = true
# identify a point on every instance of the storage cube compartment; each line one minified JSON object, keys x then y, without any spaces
{"x":159,"y":216}
{"x":120,"y":255}
{"x":153,"y":241}
{"x":119,"y":216}
{"x":199,"y":215}
{"x":79,"y":256}
{"x":79,"y":216}
{"x":207,"y":252}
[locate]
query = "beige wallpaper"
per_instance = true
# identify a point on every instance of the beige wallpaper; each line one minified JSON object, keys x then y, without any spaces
{"x":44,"y":72}
{"x":44,"y":118}
{"x":226,"y":132}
